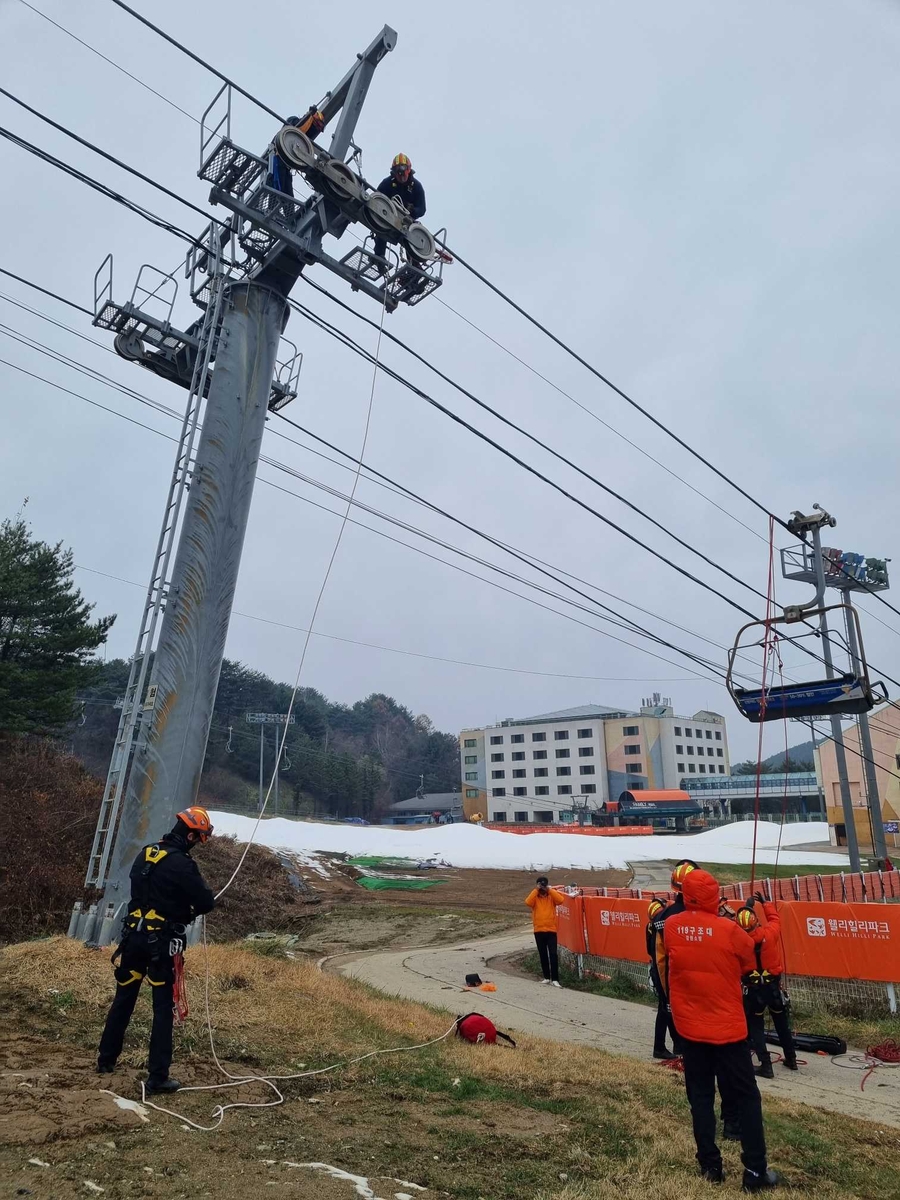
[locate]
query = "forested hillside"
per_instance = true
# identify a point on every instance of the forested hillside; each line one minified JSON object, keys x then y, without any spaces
{"x":342,"y":760}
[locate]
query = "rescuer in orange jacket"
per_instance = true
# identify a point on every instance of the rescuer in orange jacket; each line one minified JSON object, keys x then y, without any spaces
{"x":543,"y":901}
{"x":657,"y":915}
{"x":762,"y":987}
{"x":706,"y":956}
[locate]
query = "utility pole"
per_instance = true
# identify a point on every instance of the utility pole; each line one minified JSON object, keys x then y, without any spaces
{"x":236,"y":367}
{"x":280,"y":721}
{"x":826,"y":567}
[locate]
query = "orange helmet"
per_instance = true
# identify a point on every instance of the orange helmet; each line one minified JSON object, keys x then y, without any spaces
{"x":401,"y":166}
{"x":747,"y":919}
{"x":655,"y":908}
{"x":681,"y":871}
{"x":197,"y":820}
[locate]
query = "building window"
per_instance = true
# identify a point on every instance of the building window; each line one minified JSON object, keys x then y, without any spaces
{"x":631,"y":730}
{"x":687,"y":732}
{"x":700,"y":751}
{"x":721,"y":770}
{"x":498,"y":774}
{"x":702,"y":769}
{"x":539,"y":754}
{"x":637,"y":786}
{"x":471,"y":793}
{"x":521,"y":816}
{"x":718,"y":736}
{"x":500,"y":818}
{"x":471,"y":758}
{"x":690,"y":751}
{"x":691,"y":767}
{"x":709,"y":735}
{"x":469,"y":744}
{"x":539,"y":737}
{"x":561,"y":735}
{"x":518,"y":755}
{"x":564,"y":770}
{"x":520,"y":774}
{"x":520,"y":791}
{"x":564,"y":789}
{"x":633,"y":768}
{"x":498,"y":791}
{"x":471,"y":775}
{"x":497,"y":739}
{"x":679,"y":749}
{"x":632,"y":749}
{"x":720,"y":752}
{"x":540,"y":772}
{"x":542,"y":791}
{"x":563,"y":753}
{"x":589,"y":769}
{"x":582,"y":733}
{"x":678,"y":731}
{"x":681,"y":768}
{"x":497,"y":757}
{"x":517,"y":737}
{"x":585,"y":751}
{"x":589,"y":789}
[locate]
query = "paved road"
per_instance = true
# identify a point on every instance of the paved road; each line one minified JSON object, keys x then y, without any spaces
{"x":437,"y":976}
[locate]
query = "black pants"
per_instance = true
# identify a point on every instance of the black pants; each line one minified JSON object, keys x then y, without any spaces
{"x":663,"y":1018}
{"x":772,"y":999}
{"x":546,"y":944}
{"x":136,"y":964}
{"x":732,"y":1066}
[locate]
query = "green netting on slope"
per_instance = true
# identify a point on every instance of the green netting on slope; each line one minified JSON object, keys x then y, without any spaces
{"x":381,"y":885}
{"x":377,"y":860}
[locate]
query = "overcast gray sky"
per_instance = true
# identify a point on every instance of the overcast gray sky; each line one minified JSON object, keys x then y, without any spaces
{"x":701,"y":198}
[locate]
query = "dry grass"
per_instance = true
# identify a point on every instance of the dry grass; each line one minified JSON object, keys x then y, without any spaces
{"x":600,"y":1126}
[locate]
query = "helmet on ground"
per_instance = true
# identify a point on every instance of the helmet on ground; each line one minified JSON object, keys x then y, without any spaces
{"x":401,"y":166}
{"x":197,"y":821}
{"x":747,"y":919}
{"x":681,"y":871}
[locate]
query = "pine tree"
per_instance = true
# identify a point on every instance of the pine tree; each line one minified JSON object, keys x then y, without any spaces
{"x":46,"y":636}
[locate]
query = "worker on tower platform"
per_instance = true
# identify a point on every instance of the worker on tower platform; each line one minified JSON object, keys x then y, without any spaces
{"x":279,"y":176}
{"x":706,"y":957}
{"x":763,"y":985}
{"x":167,"y":893}
{"x":402,"y":185}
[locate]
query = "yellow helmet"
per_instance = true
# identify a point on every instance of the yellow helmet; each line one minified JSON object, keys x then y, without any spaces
{"x":747,"y":919}
{"x":681,"y":872}
{"x":655,"y":908}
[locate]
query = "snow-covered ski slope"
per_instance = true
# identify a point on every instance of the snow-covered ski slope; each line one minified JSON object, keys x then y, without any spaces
{"x":472,"y":846}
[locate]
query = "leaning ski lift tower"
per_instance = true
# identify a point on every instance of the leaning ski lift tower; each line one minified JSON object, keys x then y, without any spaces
{"x":236,"y":366}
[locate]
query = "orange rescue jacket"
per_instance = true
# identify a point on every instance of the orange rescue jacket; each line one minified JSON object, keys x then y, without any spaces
{"x":706,"y":955}
{"x":767,"y":938}
{"x":543,"y":909}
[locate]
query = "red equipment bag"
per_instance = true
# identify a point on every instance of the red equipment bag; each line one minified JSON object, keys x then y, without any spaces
{"x":473,"y":1027}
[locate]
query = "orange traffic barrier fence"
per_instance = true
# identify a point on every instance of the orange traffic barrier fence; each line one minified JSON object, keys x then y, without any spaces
{"x":595,"y":830}
{"x":831,"y":940}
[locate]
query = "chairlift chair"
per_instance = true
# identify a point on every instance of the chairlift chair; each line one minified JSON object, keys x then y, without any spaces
{"x":848,"y":694}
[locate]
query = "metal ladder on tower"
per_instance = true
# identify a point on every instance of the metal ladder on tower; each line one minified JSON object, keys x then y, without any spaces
{"x":157,"y":592}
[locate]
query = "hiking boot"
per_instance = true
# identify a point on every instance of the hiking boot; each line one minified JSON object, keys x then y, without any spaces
{"x":105,"y":1068}
{"x":790,"y":1063}
{"x":712,"y":1174}
{"x":731,"y":1131}
{"x":755,"y":1182}
{"x":161,"y":1087}
{"x":664,"y":1054}
{"x":764,"y":1071}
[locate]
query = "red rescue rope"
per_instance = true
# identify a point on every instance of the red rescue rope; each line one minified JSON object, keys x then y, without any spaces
{"x":180,"y":1008}
{"x":768,"y":644}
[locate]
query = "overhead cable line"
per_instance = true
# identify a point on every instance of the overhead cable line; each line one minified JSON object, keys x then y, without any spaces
{"x":111,"y":61}
{"x":523,"y":312}
{"x":456,"y":662}
{"x":399,"y":541}
{"x":596,"y":417}
{"x":197,"y":59}
{"x":53,"y":295}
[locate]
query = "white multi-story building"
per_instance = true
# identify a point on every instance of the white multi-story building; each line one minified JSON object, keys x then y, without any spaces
{"x":534,"y":768}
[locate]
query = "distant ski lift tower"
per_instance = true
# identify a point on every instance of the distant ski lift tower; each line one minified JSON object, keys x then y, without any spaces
{"x":236,"y":367}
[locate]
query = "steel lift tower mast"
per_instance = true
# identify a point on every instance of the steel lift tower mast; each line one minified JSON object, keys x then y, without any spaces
{"x":236,"y":367}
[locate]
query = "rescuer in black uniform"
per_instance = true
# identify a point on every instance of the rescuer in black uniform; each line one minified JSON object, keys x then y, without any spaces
{"x":167,"y":893}
{"x":403,"y":184}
